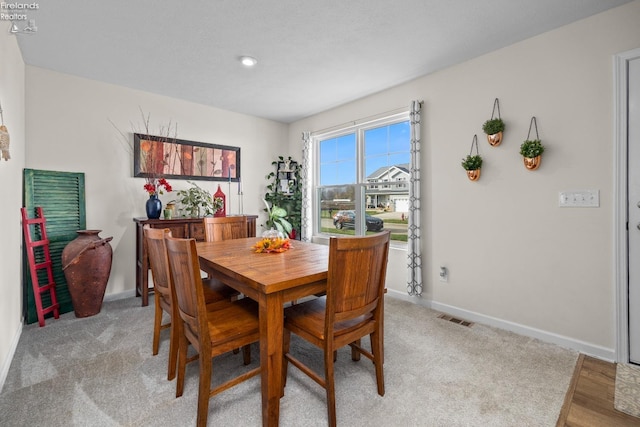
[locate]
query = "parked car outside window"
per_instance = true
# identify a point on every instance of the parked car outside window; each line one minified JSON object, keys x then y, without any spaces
{"x":347,"y":219}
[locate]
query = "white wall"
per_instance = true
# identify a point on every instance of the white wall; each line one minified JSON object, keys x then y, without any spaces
{"x":12,"y":84}
{"x":515,"y":258}
{"x":69,"y":128}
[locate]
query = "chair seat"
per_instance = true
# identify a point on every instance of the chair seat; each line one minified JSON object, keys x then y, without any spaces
{"x":309,"y":316}
{"x":235,"y":322}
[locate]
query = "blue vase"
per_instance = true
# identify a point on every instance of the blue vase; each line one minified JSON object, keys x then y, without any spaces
{"x":154,"y":207}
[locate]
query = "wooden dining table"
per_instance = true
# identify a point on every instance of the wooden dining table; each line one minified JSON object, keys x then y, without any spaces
{"x":271,"y":279}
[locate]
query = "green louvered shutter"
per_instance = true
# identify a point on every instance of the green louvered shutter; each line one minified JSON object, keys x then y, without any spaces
{"x":61,"y":196}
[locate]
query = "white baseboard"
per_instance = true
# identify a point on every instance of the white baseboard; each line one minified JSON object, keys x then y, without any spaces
{"x":599,"y":352}
{"x":566,"y":342}
{"x":7,"y":361}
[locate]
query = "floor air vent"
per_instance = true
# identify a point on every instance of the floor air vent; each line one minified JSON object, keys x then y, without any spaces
{"x":455,"y":320}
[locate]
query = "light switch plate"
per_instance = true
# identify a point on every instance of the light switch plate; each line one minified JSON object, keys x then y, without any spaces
{"x":579,"y":199}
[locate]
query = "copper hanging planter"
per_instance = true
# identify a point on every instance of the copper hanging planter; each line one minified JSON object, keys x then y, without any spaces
{"x":473,"y":175}
{"x":494,"y":126}
{"x":531,"y":149}
{"x":471,"y":163}
{"x":532,"y":163}
{"x":494,"y":139}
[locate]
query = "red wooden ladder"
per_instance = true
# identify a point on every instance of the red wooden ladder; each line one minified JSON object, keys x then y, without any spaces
{"x":41,"y":261}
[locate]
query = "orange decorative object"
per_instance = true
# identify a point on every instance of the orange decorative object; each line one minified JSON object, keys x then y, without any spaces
{"x":272,"y":245}
{"x":474,"y":175}
{"x":495,"y":139}
{"x":532,"y":163}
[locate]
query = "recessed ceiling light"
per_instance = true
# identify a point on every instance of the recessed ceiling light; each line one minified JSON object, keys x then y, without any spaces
{"x":248,"y":61}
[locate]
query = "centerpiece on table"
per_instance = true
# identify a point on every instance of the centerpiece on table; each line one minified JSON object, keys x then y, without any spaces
{"x":274,"y":240}
{"x":272,"y":245}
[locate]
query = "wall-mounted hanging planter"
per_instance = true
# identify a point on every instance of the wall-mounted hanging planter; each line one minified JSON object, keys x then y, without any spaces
{"x":532,"y":149}
{"x":494,"y":126}
{"x":473,"y":163}
{"x":474,"y":174}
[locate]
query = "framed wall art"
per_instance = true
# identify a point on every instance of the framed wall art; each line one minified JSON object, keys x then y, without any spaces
{"x":155,"y":156}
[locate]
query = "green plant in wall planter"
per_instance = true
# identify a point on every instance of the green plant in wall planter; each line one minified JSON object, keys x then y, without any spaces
{"x":493,"y":128}
{"x":472,"y":165}
{"x":531,"y":151}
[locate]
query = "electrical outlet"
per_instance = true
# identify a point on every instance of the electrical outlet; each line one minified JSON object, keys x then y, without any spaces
{"x":444,"y":274}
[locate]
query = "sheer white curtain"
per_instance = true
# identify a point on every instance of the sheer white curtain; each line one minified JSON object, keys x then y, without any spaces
{"x":306,"y":220}
{"x":414,"y":264}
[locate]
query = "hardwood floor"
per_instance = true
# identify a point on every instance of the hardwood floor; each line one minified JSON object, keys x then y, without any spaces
{"x":589,"y":400}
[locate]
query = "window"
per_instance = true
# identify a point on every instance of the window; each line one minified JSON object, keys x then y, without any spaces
{"x":362,"y":173}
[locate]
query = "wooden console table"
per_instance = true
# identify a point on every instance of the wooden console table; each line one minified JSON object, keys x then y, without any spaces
{"x":180,"y":227}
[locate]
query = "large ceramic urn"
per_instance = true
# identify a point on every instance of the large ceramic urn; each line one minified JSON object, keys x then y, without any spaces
{"x":86,"y":262}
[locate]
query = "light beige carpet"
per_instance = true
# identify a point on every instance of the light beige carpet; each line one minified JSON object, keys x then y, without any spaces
{"x":99,"y":371}
{"x":627,"y":393}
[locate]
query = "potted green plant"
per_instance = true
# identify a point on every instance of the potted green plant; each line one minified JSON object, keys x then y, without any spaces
{"x":286,"y":169}
{"x":277,"y":221}
{"x":472,"y":164}
{"x":493,"y":128}
{"x":531,"y":151}
{"x":196,"y":200}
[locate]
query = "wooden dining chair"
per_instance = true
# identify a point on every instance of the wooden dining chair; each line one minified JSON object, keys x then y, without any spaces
{"x":352,"y":309}
{"x":234,"y":324}
{"x":213,"y":293}
{"x":224,"y":228}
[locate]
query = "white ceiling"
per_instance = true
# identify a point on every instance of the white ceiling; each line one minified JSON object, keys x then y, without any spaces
{"x":312,"y":54}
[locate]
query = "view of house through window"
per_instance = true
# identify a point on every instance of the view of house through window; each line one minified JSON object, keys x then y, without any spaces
{"x":363,"y":175}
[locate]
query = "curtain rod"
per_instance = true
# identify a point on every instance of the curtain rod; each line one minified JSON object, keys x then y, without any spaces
{"x":361,"y":121}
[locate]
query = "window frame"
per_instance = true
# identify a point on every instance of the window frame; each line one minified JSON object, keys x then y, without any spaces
{"x":358,"y":128}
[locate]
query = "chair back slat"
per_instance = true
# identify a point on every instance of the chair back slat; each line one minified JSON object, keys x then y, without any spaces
{"x":224,"y":228}
{"x":357,"y":273}
{"x":184,"y":268}
{"x":156,"y":250}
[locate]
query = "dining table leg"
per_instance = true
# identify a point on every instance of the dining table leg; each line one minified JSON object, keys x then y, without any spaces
{"x":271,"y":332}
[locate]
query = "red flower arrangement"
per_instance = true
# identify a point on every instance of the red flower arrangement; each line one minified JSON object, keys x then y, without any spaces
{"x":154,"y":186}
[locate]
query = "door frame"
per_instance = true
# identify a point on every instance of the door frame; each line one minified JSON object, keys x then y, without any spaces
{"x":621,"y":250}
